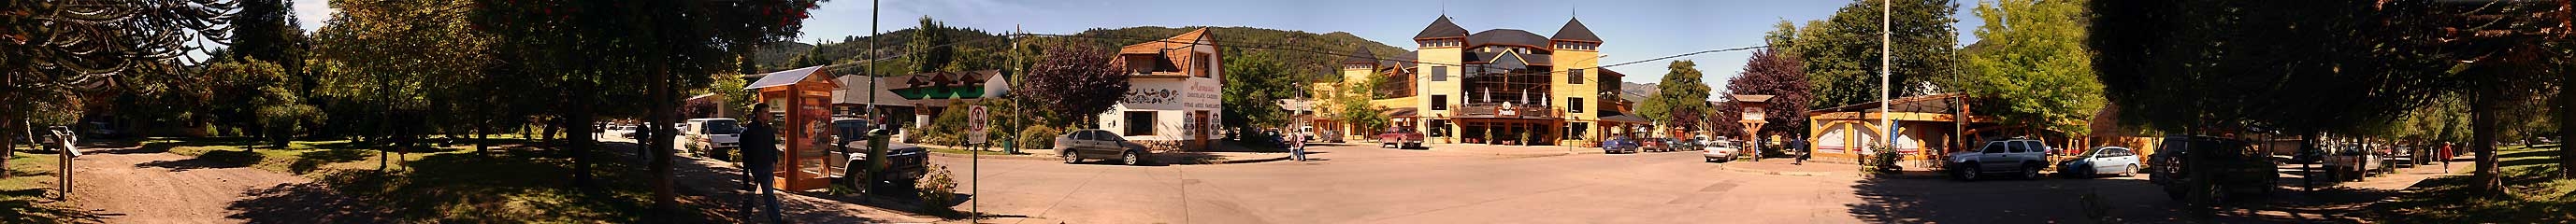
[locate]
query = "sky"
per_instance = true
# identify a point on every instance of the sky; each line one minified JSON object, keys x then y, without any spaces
{"x":1631,"y":30}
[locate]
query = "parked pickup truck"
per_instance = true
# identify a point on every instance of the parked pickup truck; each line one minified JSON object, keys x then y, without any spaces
{"x":2022,"y":157}
{"x":905,"y":162}
{"x":1399,"y":138}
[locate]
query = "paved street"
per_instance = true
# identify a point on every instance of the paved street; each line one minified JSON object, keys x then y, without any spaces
{"x":1361,"y":184}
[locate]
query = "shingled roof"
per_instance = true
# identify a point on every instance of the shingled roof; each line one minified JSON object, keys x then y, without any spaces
{"x":1506,"y":36}
{"x":1574,"y":30}
{"x":1441,"y":28}
{"x":1361,"y":56}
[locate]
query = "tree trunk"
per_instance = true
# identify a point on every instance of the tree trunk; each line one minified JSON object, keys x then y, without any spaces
{"x":580,"y":145}
{"x":660,"y":160}
{"x":2565,"y":107}
{"x":483,"y":137}
{"x":2482,"y":132}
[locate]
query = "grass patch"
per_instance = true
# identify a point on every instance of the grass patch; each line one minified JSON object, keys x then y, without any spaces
{"x":24,"y":198}
{"x":517,"y":183}
{"x":2532,"y":194}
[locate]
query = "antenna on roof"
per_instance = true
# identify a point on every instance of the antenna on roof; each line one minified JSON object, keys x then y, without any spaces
{"x":1444,"y":8}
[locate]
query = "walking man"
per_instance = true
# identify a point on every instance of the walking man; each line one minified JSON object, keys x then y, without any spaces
{"x":759,"y":157}
{"x":1297,"y":146}
{"x":1799,"y":146}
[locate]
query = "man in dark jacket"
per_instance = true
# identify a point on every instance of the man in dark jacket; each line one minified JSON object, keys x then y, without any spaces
{"x":1799,"y":146}
{"x":759,"y":158}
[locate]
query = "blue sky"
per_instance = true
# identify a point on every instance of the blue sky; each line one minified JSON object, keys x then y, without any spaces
{"x":1631,"y":29}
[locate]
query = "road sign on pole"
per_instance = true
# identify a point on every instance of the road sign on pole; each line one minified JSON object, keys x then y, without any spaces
{"x":975,"y":120}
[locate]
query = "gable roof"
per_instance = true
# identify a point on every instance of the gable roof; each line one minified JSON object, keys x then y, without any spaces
{"x":782,"y":78}
{"x":1574,"y":30}
{"x":1176,"y":42}
{"x":1441,"y":28}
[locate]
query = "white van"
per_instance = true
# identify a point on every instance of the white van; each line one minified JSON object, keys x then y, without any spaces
{"x":705,"y":134}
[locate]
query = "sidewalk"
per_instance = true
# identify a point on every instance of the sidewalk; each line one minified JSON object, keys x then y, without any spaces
{"x":1783,"y":166}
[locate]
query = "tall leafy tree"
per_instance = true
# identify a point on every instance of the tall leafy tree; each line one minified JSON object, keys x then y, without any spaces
{"x":1772,"y":72}
{"x":1681,"y":99}
{"x":2032,"y":68}
{"x":1075,"y":81}
{"x":1842,"y":52}
{"x":664,"y":45}
{"x":931,"y":46}
{"x":50,"y":49}
{"x":1253,"y":87}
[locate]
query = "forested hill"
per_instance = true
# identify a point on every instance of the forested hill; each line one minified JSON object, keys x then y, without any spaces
{"x":971,"y":43}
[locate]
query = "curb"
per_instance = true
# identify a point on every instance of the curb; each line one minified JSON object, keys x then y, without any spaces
{"x":1826,"y":174}
{"x":1010,"y":157}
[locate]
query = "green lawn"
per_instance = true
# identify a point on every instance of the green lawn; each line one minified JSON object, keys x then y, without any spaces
{"x":23,"y":196}
{"x":520,"y":182}
{"x":2532,"y":194}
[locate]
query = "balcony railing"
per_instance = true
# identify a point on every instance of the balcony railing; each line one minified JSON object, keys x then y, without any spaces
{"x":1511,"y":111}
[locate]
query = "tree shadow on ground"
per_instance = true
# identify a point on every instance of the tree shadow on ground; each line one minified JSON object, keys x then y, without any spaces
{"x":211,"y":160}
{"x":28,"y":206}
{"x":312,"y":161}
{"x":513,"y":187}
{"x":2097,"y":200}
{"x":717,"y":189}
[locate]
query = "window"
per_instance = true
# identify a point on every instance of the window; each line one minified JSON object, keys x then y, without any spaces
{"x":1439,"y":73}
{"x":1574,"y":76}
{"x":1439,"y":128}
{"x":1439,"y":102}
{"x":1575,"y":132}
{"x":2019,"y":146}
{"x":1199,"y":65}
{"x":1994,"y":147}
{"x":1140,"y":123}
{"x":1574,"y":104}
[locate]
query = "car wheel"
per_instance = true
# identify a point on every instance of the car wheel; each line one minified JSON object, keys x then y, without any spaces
{"x":2131,"y":171}
{"x":1970,"y":174}
{"x":1129,"y":158}
{"x":2029,"y":172}
{"x":1070,"y":156}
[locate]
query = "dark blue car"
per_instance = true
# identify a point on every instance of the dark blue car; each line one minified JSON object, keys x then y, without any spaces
{"x":1619,"y":145}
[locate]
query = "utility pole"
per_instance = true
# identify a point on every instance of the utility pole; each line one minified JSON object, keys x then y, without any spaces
{"x":1885,"y":124}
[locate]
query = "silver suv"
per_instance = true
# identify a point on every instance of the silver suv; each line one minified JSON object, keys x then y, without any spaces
{"x":2023,"y":157}
{"x":1095,"y":143}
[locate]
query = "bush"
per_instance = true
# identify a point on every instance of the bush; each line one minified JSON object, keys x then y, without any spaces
{"x":1884,"y":162}
{"x":1038,"y":137}
{"x":937,"y":189}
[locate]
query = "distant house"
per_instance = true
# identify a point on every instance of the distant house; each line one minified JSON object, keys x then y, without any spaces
{"x":1174,"y":100}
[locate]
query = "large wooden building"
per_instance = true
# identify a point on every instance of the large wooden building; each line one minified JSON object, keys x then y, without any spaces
{"x":1494,"y":86}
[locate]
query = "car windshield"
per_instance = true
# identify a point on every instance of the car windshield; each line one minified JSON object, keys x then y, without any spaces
{"x":721,"y":127}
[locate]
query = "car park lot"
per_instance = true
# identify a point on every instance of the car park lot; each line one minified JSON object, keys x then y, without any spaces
{"x":1359,"y":183}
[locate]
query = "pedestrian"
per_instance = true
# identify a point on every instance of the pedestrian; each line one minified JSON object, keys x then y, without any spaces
{"x":759,"y":157}
{"x":1297,"y":146}
{"x":1800,"y":146}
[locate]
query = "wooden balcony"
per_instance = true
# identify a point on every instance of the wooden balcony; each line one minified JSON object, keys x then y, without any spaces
{"x":1517,"y":111}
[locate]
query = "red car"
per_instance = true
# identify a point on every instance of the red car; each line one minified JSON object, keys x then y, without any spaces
{"x":1399,"y":139}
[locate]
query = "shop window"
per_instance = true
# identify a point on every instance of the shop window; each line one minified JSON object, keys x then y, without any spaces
{"x":1576,"y":131}
{"x":1140,"y":123}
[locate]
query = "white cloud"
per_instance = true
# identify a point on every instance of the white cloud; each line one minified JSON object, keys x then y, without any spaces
{"x":311,"y":13}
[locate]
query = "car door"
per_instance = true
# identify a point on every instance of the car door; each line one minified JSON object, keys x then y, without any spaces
{"x":2006,"y":160}
{"x":1089,"y":142}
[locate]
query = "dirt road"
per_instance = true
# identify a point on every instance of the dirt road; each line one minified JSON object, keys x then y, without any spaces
{"x":138,"y":186}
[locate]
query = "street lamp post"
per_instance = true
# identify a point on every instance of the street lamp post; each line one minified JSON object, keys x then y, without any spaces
{"x":1753,"y":120}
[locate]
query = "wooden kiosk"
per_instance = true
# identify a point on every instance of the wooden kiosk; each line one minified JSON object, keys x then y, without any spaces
{"x":800,"y":106}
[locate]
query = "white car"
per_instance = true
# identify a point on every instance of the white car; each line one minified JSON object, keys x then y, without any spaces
{"x":707,"y":135}
{"x":2023,"y":157}
{"x":1720,"y":150}
{"x":2099,"y":161}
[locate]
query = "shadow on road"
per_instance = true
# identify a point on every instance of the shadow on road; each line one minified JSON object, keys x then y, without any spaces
{"x":28,"y":206}
{"x":2100,"y":200}
{"x":211,"y":160}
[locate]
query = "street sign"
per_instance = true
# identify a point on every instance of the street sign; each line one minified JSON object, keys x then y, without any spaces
{"x":975,"y":119}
